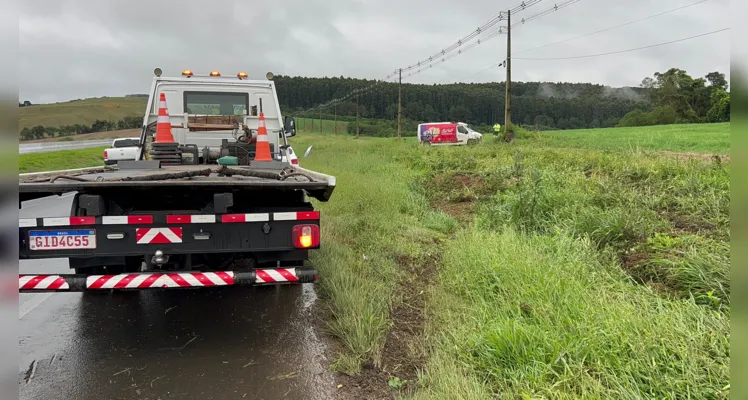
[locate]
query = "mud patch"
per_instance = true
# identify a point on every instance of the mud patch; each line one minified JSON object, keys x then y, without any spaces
{"x":636,"y":265}
{"x":402,"y":357}
{"x":457,"y":193}
{"x":683,"y":224}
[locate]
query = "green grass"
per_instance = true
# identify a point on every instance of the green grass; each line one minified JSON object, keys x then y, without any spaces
{"x":310,"y":125}
{"x":579,"y":275}
{"x":591,"y":273}
{"x":56,"y":160}
{"x":84,"y":111}
{"x":697,"y":138}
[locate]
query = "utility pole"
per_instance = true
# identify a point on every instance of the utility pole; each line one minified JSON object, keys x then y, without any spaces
{"x":357,"y":131}
{"x":399,"y":101}
{"x":508,"y":130}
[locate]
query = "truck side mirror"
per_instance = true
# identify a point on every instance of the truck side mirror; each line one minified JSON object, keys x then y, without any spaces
{"x":289,"y":126}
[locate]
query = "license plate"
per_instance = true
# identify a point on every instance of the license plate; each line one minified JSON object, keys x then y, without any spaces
{"x":62,"y":239}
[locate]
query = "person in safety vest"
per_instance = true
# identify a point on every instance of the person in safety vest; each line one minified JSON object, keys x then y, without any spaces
{"x":496,"y":129}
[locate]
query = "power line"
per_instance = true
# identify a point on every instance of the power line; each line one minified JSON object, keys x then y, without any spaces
{"x":493,"y":65}
{"x":613,"y":27}
{"x":472,"y":35}
{"x":500,"y":31}
{"x":547,"y":11}
{"x":624,"y":51}
{"x":444,"y":55}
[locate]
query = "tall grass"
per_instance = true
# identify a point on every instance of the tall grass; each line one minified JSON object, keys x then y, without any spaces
{"x":532,"y":316}
{"x":372,"y":219}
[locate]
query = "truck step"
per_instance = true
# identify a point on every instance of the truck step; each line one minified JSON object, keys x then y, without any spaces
{"x":164,"y":280}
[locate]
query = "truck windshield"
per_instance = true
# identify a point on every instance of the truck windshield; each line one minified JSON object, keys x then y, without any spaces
{"x":216,"y":103}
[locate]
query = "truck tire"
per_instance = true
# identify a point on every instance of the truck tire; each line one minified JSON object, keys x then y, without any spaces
{"x":472,"y":142}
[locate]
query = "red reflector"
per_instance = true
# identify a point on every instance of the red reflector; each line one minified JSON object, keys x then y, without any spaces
{"x":82,"y":220}
{"x":139,"y":219}
{"x":178,"y":219}
{"x":295,"y":161}
{"x":233,"y":218}
{"x":307,"y":215}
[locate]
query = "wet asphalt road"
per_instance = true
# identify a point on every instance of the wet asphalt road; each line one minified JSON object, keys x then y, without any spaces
{"x":224,"y":343}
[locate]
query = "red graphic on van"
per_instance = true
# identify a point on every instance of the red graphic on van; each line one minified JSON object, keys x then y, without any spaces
{"x":438,"y":133}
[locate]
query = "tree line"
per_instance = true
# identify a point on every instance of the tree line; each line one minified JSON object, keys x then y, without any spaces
{"x":542,"y":105}
{"x":679,"y":98}
{"x":40,"y":132}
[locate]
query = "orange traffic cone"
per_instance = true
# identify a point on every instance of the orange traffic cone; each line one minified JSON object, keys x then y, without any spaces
{"x":262,"y":151}
{"x":163,"y":124}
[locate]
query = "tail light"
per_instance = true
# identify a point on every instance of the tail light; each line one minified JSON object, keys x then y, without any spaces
{"x":305,"y":236}
{"x":295,"y":161}
{"x":106,"y":155}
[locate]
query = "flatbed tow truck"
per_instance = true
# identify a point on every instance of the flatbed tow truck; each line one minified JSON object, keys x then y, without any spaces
{"x":218,"y":205}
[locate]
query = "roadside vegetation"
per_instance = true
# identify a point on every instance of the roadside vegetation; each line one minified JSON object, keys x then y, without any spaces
{"x":553,"y":267}
{"x":55,"y":160}
{"x":696,"y":138}
{"x":528,"y":271}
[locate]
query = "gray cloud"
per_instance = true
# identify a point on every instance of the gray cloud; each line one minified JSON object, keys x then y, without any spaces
{"x":84,"y":48}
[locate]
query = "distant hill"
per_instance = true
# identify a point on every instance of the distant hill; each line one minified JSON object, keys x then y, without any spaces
{"x":84,"y":112}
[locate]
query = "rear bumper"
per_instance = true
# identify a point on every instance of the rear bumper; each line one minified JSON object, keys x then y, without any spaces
{"x":138,"y":235}
{"x":161,"y":280}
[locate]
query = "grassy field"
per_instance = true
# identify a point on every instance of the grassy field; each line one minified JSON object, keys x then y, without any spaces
{"x":697,"y":138}
{"x":523,"y":270}
{"x":90,"y":136}
{"x":55,"y":160}
{"x":84,"y":111}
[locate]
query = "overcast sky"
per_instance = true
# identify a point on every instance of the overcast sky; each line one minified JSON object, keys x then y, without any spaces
{"x":89,"y":48}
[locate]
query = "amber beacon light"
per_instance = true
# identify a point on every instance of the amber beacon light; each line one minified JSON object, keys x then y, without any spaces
{"x":215,"y":73}
{"x":187,"y":72}
{"x":242,"y":75}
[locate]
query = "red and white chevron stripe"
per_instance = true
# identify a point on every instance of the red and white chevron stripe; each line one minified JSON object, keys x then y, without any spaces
{"x":160,"y":280}
{"x":276,"y":275}
{"x":42,"y":282}
{"x":158,"y":235}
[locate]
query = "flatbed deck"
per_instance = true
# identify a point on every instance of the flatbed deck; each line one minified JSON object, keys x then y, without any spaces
{"x":278,"y":177}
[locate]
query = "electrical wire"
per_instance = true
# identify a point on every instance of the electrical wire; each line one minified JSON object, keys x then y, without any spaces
{"x":461,"y":46}
{"x":494,"y":65}
{"x":545,"y":12}
{"x":624,"y":51}
{"x":612,"y":27}
{"x":501,"y":30}
{"x":472,"y":35}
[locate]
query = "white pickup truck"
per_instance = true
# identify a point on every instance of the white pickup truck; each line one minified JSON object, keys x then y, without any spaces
{"x":122,"y":149}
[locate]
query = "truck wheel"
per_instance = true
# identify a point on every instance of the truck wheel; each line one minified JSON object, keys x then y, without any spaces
{"x":472,"y":142}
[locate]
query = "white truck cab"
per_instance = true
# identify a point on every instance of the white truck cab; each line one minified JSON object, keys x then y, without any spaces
{"x":208,"y":111}
{"x":447,"y":133}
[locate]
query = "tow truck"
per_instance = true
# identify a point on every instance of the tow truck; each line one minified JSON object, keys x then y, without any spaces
{"x":199,"y":211}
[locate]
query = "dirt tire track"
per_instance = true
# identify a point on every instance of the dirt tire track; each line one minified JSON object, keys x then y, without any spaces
{"x":402,"y":356}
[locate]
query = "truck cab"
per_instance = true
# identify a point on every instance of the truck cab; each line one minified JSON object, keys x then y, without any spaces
{"x":213,"y":115}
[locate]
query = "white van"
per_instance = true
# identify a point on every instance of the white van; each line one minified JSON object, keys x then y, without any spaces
{"x":447,"y":133}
